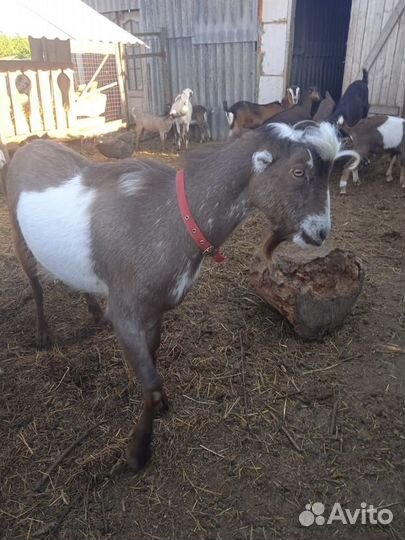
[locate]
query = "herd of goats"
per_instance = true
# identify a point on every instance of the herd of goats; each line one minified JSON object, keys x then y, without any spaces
{"x":367,"y":135}
{"x":137,"y":231}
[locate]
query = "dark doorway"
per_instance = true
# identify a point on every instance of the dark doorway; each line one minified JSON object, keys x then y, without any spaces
{"x":320,"y":36}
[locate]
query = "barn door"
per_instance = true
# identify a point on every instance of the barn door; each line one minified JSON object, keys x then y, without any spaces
{"x":136,"y":85}
{"x":320,"y":35}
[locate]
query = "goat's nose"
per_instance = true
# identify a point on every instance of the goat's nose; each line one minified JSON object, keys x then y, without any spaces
{"x":323,"y":233}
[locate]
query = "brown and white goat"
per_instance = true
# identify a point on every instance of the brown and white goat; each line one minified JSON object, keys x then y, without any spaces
{"x":301,"y":111}
{"x":374,"y":136}
{"x":115,"y":229}
{"x":247,"y":115}
{"x":153,"y":123}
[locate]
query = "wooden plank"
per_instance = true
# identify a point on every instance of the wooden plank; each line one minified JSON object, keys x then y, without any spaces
{"x":121,"y":72}
{"x":386,"y":31}
{"x":17,"y":102}
{"x":379,"y":64}
{"x":394,"y":110}
{"x":359,"y":38}
{"x":46,"y":100}
{"x":24,"y":65}
{"x":400,"y":89}
{"x":6,"y":123}
{"x":71,"y":117}
{"x":389,"y":63}
{"x":395,"y":79}
{"x":35,"y":114}
{"x":61,"y":121}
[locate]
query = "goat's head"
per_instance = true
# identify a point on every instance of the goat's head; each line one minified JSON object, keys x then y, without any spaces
{"x":314,"y":93}
{"x":362,"y":137}
{"x":181,"y":103}
{"x":289,"y":183}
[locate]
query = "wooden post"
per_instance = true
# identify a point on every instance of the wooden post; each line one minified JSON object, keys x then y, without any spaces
{"x":6,"y":124}
{"x":121,"y":73}
{"x":71,"y":116}
{"x":46,"y":100}
{"x":57,"y":96}
{"x":35,"y":114}
{"x":17,"y":100}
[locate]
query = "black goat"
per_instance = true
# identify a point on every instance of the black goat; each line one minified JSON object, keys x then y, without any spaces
{"x":353,"y":105}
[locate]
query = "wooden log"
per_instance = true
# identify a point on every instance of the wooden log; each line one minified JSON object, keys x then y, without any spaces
{"x":314,"y":289}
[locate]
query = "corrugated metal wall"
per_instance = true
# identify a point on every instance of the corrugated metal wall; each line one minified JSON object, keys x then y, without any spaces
{"x":387,"y":73}
{"x":211,"y":48}
{"x":111,"y":6}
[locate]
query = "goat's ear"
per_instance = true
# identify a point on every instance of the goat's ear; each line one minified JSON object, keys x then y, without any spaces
{"x":261,"y":160}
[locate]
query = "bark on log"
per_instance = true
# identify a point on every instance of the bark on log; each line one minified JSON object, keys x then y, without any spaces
{"x":314,"y":289}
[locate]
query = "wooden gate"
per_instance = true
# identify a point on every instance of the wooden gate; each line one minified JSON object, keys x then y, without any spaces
{"x":377,"y":41}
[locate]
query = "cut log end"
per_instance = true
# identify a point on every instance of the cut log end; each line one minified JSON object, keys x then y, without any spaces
{"x":313,"y":289}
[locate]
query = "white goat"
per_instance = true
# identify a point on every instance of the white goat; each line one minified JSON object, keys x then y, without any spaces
{"x":181,"y":111}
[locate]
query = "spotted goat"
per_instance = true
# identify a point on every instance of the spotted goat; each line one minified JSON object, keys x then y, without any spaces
{"x":101,"y":227}
{"x":376,"y":135}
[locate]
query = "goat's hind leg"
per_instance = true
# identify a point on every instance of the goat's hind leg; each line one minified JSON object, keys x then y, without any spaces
{"x":29,"y":266}
{"x":388,"y":175}
{"x":343,"y":181}
{"x":139,"y":348}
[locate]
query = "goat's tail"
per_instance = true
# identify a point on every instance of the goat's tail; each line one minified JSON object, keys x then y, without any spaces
{"x":230,"y":116}
{"x":365,"y":76}
{"x":225,"y":106}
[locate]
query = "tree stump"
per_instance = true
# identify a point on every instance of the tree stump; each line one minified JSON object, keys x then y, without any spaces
{"x":314,"y":289}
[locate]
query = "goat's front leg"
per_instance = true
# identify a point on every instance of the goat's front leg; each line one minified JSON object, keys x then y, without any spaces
{"x":139,"y":341}
{"x":343,"y":180}
{"x":402,"y":177}
{"x":388,"y":175}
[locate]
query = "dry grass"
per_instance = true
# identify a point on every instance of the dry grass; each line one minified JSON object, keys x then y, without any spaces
{"x":261,"y":423}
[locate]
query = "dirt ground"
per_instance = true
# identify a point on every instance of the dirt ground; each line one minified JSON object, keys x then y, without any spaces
{"x":246,"y":444}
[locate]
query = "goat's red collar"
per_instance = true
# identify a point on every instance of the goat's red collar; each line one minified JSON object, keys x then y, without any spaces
{"x":192,"y":228}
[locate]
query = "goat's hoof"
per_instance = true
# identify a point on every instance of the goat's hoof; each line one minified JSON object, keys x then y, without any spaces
{"x":343,"y":192}
{"x":162,"y":407}
{"x":43,"y":340}
{"x":389,"y":178}
{"x":139,"y":451}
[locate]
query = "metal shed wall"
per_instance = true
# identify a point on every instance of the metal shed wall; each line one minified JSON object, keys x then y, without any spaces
{"x":111,"y":6}
{"x":377,"y":36}
{"x":211,"y":48}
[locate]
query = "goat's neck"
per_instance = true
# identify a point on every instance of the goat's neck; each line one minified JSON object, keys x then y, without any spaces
{"x":218,"y":193}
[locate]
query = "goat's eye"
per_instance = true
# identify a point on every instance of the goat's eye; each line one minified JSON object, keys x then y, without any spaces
{"x":299,"y":173}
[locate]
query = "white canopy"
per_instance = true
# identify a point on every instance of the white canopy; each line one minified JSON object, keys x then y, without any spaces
{"x":60,"y":19}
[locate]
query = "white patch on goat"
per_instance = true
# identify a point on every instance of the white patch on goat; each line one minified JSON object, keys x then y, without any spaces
{"x":323,"y":137}
{"x":229,"y":117}
{"x":340,"y":120}
{"x":55,"y":224}
{"x":310,"y":162}
{"x":392,"y":132}
{"x":314,"y":224}
{"x":184,"y":281}
{"x":261,"y":160}
{"x":131,"y":183}
{"x":3,"y":160}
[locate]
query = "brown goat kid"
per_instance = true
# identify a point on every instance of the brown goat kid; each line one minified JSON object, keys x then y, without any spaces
{"x":247,"y":115}
{"x":153,"y":123}
{"x":115,"y":229}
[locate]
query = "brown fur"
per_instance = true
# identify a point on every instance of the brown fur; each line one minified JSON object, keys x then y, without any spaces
{"x":301,"y":111}
{"x":325,"y":109}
